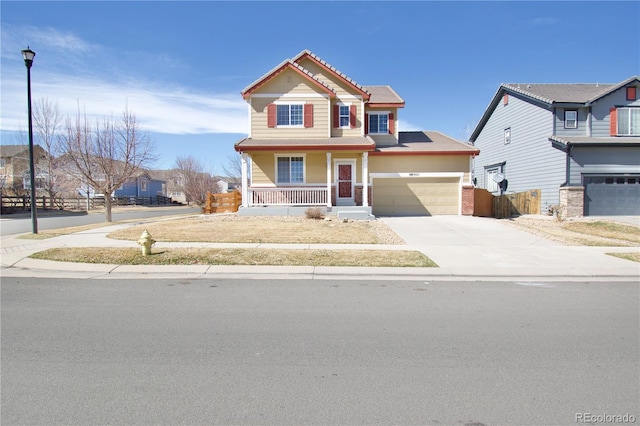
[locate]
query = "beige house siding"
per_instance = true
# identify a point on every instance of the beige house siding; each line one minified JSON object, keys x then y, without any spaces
{"x":357,"y":130}
{"x":419,"y":163}
{"x":297,"y":89}
{"x":343,"y":90}
{"x":264,"y":174}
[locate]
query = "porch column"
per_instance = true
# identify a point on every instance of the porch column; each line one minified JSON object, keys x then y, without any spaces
{"x":365,"y":179}
{"x":328,"y":179}
{"x":245,"y":180}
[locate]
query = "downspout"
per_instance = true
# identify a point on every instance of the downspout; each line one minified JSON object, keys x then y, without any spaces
{"x":568,"y":165}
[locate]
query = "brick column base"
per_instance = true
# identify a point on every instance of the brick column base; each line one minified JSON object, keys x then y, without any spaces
{"x":572,"y":201}
{"x":467,"y":200}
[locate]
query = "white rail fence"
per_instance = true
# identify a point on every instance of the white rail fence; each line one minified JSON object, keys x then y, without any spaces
{"x":288,"y":196}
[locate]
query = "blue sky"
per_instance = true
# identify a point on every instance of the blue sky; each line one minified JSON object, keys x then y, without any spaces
{"x":180,"y":66}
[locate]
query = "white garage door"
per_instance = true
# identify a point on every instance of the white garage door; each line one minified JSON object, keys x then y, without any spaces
{"x":416,"y":196}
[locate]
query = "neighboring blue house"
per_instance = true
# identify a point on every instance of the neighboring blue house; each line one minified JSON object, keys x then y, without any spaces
{"x":142,"y":186}
{"x":578,"y":143}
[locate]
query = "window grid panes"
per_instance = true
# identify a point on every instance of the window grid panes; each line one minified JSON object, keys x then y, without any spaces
{"x":629,"y":121}
{"x":571,"y":119}
{"x":378,"y":123}
{"x":290,"y":169}
{"x":290,"y":115}
{"x":344,"y":116}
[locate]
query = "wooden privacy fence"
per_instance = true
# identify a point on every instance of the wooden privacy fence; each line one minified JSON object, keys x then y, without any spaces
{"x":506,"y":205}
{"x":222,"y":203}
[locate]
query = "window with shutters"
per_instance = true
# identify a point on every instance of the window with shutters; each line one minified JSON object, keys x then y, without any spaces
{"x":628,"y":121}
{"x":345,"y":120}
{"x":289,"y":169}
{"x":289,"y":115}
{"x":378,"y":123}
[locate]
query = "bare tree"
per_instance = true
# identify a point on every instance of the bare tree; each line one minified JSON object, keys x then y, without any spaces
{"x":47,"y":120}
{"x":233,"y":169}
{"x":194,"y":180}
{"x":107,"y":154}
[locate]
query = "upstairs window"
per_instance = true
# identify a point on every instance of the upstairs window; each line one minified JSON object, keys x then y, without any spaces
{"x":507,"y":136}
{"x":290,"y":169}
{"x":379,"y":123}
{"x":345,"y":119}
{"x":571,"y":119}
{"x":289,"y":115}
{"x":628,"y":121}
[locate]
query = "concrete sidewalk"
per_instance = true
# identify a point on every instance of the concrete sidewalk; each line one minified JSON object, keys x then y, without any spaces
{"x":464,"y":247}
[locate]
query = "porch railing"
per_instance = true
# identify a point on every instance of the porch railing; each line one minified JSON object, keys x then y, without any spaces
{"x":288,"y":196}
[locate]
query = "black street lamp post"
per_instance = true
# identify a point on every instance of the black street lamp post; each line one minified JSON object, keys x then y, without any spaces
{"x":28,"y":56}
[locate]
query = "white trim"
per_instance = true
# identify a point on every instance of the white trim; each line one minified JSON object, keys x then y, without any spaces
{"x":291,"y":95}
{"x":250,"y":106}
{"x":348,"y":105}
{"x":289,"y":102}
{"x":363,"y":115}
{"x":459,"y":175}
{"x":378,"y":113}
{"x":328,"y":179}
{"x":304,"y":168}
{"x":356,"y":97}
{"x":365,"y":178}
{"x":418,"y":174}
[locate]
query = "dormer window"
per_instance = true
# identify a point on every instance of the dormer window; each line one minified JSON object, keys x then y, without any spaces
{"x":571,"y":119}
{"x":378,"y":123}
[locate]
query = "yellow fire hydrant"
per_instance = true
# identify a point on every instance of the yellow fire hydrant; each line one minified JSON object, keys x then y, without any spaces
{"x":146,"y":242}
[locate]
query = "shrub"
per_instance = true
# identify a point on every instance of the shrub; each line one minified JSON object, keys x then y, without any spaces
{"x":314,"y":213}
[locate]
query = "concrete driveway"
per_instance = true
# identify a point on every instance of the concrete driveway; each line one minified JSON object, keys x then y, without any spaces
{"x":467,"y":245}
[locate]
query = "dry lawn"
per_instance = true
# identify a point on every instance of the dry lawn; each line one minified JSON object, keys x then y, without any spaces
{"x":580,"y":232}
{"x":198,"y":256}
{"x":275,"y":230}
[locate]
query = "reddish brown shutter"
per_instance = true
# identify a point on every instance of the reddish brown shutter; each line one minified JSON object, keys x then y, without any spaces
{"x":392,"y":124}
{"x":366,"y":124}
{"x":631,"y":93}
{"x":308,"y":115}
{"x":336,"y":116}
{"x":352,"y":116}
{"x":271,"y":115}
{"x":613,"y":121}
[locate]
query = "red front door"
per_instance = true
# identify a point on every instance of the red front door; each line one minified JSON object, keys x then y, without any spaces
{"x":345,"y":183}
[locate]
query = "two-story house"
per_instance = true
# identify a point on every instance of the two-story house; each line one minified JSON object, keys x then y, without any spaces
{"x":577,"y":143}
{"x":14,"y":168}
{"x":318,"y":138}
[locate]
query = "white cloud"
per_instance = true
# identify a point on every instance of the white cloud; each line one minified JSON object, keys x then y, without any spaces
{"x":159,"y":106}
{"x":405,"y":126}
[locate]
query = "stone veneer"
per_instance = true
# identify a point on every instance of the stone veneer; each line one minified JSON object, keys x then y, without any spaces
{"x":572,"y":201}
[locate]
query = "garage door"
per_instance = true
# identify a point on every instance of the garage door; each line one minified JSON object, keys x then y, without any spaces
{"x":612,"y":195}
{"x":415,"y":196}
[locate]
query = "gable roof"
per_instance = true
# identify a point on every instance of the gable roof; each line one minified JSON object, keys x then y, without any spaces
{"x":333,"y":70}
{"x":552,"y":94}
{"x":287,"y":64}
{"x":376,"y":96}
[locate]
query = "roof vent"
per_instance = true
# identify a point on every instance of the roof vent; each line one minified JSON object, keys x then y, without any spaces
{"x":528,"y":86}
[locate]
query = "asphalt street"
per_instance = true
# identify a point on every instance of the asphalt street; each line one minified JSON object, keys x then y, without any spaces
{"x":222,"y":351}
{"x":21,"y":223}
